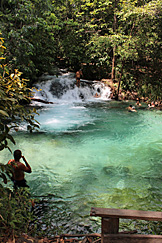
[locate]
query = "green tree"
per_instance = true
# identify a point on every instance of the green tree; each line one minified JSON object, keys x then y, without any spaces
{"x":29,"y":35}
{"x":71,"y":36}
{"x":127,"y":42}
{"x":120,"y":39}
{"x":13,"y":94}
{"x":15,"y":208}
{"x":141,"y":52}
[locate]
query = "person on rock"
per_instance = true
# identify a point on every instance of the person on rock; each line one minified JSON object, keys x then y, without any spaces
{"x":78,"y":76}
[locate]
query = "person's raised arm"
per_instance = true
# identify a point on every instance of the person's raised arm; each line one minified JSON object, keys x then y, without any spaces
{"x":26,"y":168}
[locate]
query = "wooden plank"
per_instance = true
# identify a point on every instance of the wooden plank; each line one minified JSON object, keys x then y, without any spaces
{"x":80,"y":235}
{"x":110,"y":226}
{"x":126,"y":213}
{"x":124,"y":238}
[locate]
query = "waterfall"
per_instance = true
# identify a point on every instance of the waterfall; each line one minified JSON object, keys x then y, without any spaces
{"x":63,"y":88}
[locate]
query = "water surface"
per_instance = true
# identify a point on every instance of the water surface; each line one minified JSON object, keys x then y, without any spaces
{"x":91,"y":152}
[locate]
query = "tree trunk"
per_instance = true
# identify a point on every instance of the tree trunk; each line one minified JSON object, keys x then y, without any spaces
{"x":119,"y":82}
{"x":114,"y":48}
{"x":113,"y":64}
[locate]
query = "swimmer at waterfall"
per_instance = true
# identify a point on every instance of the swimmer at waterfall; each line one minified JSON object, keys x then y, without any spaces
{"x":19,"y":169}
{"x":98,"y":95}
{"x":138,"y":102}
{"x":131,"y":108}
{"x":78,"y":75}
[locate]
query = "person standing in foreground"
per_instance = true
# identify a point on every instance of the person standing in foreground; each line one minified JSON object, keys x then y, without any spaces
{"x":78,"y":75}
{"x":19,"y":169}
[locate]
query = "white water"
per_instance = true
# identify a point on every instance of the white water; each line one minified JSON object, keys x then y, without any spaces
{"x":71,"y":92}
{"x":68,"y":110}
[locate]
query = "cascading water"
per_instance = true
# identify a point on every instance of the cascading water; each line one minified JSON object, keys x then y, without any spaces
{"x":63,"y":88}
{"x":66,"y":112}
{"x":89,"y":152}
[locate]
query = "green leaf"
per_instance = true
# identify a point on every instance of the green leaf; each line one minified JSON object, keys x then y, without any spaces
{"x":11,"y":138}
{"x":3,"y":176}
{"x":4,"y":113}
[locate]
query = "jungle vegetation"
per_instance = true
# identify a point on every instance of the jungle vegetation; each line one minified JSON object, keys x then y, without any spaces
{"x":119,"y":40}
{"x":15,"y":208}
{"x":116,"y":39}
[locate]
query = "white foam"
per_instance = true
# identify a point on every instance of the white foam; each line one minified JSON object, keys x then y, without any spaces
{"x":48,"y":122}
{"x":70,"y":92}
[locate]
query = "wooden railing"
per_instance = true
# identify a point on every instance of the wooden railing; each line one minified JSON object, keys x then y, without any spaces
{"x":110,"y":225}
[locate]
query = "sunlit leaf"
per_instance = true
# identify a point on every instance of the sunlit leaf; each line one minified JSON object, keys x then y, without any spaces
{"x":4,"y":113}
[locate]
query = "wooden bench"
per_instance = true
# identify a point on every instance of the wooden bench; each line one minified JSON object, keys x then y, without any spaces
{"x":110,"y":225}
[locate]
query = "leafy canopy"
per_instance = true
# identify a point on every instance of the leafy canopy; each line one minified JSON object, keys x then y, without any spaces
{"x":13,"y":94}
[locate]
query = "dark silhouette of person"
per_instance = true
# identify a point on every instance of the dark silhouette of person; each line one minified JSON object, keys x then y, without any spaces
{"x":78,"y":76}
{"x":19,"y":169}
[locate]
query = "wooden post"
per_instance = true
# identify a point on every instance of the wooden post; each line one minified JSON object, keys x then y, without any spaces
{"x":109,"y":226}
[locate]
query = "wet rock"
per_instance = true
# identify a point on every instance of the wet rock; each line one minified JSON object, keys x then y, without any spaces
{"x":114,"y":170}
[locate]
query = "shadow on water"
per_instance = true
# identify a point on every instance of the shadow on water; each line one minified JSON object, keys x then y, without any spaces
{"x":56,"y":216}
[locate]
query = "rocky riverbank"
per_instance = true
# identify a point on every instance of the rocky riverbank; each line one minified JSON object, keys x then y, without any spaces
{"x":130,"y":95}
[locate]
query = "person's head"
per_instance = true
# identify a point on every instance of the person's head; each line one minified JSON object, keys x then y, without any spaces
{"x":17,"y":155}
{"x":130,"y":106}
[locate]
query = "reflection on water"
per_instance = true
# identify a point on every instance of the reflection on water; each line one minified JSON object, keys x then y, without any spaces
{"x":90,"y":153}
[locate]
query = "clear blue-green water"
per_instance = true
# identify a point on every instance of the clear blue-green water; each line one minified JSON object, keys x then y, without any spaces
{"x":92,"y":153}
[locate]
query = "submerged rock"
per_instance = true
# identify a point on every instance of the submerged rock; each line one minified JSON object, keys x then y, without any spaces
{"x":113,"y":170}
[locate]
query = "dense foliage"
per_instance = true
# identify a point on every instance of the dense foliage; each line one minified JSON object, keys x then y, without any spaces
{"x":13,"y":94}
{"x":118,"y":38}
{"x":29,"y":37}
{"x":15,"y":213}
{"x":115,"y":39}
